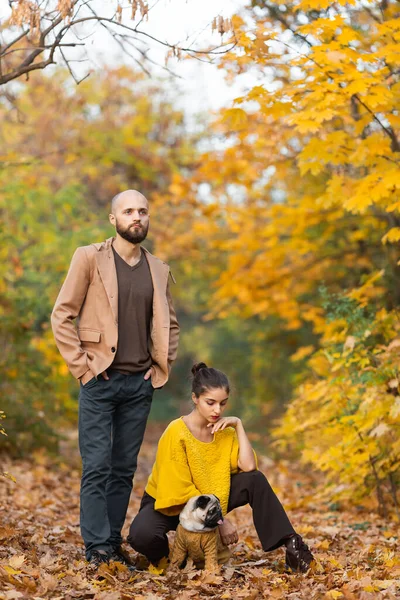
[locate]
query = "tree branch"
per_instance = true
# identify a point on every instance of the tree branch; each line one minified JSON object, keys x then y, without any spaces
{"x":388,"y":130}
{"x":28,"y":64}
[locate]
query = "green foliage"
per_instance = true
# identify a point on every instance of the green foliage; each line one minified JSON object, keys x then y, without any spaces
{"x":41,"y":232}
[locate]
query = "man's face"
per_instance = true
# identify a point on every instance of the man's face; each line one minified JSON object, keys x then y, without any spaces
{"x":131,"y":218}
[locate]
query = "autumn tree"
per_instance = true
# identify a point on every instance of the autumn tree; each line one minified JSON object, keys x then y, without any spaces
{"x":304,"y":191}
{"x":65,"y":153}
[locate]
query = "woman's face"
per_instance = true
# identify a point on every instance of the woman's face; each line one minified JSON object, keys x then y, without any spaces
{"x":211,"y":403}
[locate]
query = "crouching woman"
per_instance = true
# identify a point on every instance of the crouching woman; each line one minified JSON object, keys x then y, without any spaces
{"x":206,"y":453}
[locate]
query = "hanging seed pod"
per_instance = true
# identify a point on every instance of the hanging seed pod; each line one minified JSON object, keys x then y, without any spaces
{"x":65,"y":8}
{"x":119,"y":13}
{"x":221,"y":25}
{"x":144,"y":8}
{"x":228,"y":25}
{"x":135,"y":6}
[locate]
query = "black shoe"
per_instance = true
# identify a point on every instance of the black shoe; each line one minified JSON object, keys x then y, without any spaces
{"x":98,"y":558}
{"x":298,"y":554}
{"x":119,"y":555}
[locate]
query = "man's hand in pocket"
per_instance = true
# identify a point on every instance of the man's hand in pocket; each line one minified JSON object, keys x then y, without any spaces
{"x":89,"y":375}
{"x":86,"y":377}
{"x":147,"y":375}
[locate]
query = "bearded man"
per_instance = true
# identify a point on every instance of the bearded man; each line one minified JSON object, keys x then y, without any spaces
{"x":121,"y":348}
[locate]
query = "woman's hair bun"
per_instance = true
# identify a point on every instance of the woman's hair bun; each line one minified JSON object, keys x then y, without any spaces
{"x":207,"y":378}
{"x":196,"y":368}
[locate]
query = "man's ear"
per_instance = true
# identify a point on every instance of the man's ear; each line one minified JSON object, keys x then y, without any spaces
{"x":202,"y":502}
{"x":111,"y":218}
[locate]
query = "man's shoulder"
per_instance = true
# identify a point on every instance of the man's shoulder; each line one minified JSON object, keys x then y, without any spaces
{"x":85,"y":253}
{"x":92,"y":249}
{"x":100,"y":246}
{"x":89,"y":249}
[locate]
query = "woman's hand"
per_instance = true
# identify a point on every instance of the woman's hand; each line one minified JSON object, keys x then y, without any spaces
{"x":224,"y":422}
{"x":228,"y":533}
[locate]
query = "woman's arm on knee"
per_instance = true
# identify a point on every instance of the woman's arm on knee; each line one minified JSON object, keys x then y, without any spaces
{"x":246,"y":458}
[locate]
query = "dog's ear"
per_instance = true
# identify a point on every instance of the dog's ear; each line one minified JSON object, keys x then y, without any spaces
{"x":202,"y":502}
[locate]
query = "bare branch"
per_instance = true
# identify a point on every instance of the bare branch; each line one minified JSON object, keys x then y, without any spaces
{"x":47,"y":47}
{"x":60,"y":27}
{"x":77,"y":81}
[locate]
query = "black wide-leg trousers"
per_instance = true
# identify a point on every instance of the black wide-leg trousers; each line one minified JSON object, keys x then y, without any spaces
{"x":148,"y":531}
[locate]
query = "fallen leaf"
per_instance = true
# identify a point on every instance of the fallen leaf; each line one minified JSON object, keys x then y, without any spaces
{"x":211,"y":578}
{"x":48,"y":582}
{"x":12,"y":595}
{"x":11,"y":570}
{"x":17,"y":561}
{"x":160,"y":568}
{"x":228,"y":573}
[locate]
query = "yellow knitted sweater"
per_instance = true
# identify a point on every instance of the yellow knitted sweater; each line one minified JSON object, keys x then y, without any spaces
{"x":186,"y":467}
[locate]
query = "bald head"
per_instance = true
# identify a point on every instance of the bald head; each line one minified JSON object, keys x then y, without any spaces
{"x":130,"y":216}
{"x":127,"y":195}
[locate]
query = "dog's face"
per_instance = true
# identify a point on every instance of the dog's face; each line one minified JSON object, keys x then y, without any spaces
{"x":201,"y":513}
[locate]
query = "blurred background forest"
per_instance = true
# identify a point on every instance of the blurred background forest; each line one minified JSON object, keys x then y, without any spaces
{"x":279,"y":216}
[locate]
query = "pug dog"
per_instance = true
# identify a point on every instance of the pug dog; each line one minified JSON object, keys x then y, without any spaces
{"x":197,"y":535}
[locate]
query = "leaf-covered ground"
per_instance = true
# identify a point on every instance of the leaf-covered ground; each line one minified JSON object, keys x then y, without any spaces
{"x":41,"y":553}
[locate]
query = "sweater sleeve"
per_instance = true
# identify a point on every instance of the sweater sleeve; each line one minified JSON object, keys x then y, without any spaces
{"x":171,"y":481}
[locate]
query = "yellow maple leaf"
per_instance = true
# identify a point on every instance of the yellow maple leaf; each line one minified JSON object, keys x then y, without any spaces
{"x":160,"y":568}
{"x":334,"y":594}
{"x":393,"y":235}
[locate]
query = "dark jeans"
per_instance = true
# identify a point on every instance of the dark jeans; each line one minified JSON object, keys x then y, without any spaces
{"x":112,"y":421}
{"x":148,"y":531}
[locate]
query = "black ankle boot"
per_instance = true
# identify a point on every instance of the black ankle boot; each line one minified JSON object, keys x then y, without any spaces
{"x":298,"y":554}
{"x":97,"y":558}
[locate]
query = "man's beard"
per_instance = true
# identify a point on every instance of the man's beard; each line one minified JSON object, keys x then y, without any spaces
{"x":131,"y":235}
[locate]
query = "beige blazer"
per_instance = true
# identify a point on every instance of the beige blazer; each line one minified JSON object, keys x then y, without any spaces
{"x":90,"y":295}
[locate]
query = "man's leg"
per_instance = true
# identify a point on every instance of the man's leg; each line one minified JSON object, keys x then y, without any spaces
{"x":270,"y":520}
{"x":96,"y":409}
{"x":148,"y":531}
{"x":133,"y":406}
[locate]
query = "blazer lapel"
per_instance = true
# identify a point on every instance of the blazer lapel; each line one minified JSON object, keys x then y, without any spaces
{"x":108,"y":273}
{"x":159,"y":274}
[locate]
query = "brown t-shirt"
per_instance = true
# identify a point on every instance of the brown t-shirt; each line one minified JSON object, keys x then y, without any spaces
{"x":135,"y":309}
